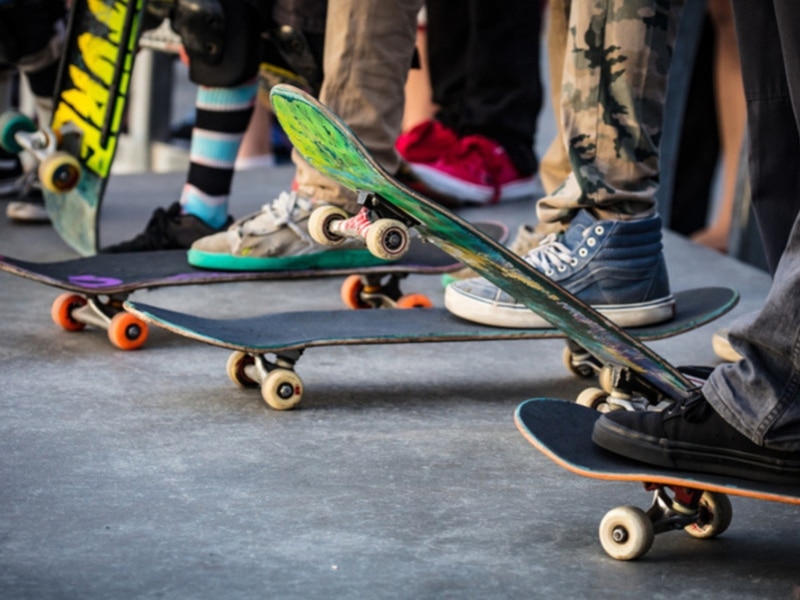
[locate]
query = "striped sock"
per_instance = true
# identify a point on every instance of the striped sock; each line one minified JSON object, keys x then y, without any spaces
{"x":222,"y":118}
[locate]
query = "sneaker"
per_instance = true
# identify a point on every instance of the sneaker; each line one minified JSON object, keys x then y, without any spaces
{"x":168,"y":229}
{"x":478,"y":171}
{"x":426,"y":143}
{"x":28,"y":208}
{"x":276,"y":238}
{"x":617,"y":267}
{"x":691,"y":435}
{"x":10,"y":174}
{"x":721,"y":343}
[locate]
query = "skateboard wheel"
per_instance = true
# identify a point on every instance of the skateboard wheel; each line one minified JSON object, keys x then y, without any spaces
{"x":61,"y":311}
{"x":351,"y":291}
{"x":60,"y":172}
{"x":414,"y":301}
{"x":592,"y":397}
{"x":388,"y":239}
{"x":12,"y":122}
{"x":236,"y":368}
{"x":127,"y":332}
{"x":282,"y":389}
{"x":626,"y":533}
{"x":582,"y":370}
{"x":715,"y":515}
{"x":319,"y":225}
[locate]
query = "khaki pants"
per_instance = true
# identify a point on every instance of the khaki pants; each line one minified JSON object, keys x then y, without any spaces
{"x":368,"y":51}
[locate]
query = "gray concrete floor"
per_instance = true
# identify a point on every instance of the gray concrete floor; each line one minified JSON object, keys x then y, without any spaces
{"x":148,"y":474}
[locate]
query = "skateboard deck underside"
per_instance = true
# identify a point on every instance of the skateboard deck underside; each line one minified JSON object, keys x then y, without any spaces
{"x":328,"y":145}
{"x":91,"y":92}
{"x":563,"y":432}
{"x":121,"y":273}
{"x":298,"y":330}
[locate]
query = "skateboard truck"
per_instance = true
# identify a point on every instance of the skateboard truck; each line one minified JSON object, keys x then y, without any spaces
{"x":281,"y":387}
{"x":59,"y":171}
{"x":384,"y":230}
{"x":74,"y":311}
{"x":620,"y":388}
{"x":627,"y":532}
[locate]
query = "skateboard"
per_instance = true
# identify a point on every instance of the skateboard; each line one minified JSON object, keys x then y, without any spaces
{"x":91,"y":92}
{"x":287,"y":335}
{"x":636,"y":375}
{"x":697,"y":503}
{"x":96,"y":286}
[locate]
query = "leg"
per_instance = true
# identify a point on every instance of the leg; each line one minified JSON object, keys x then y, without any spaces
{"x":613,"y":95}
{"x":732,"y":118}
{"x":746,"y":420}
{"x":554,"y":167}
{"x":367,"y":56}
{"x":759,"y":395}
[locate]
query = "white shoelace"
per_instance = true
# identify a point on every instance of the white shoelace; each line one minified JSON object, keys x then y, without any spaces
{"x":551,"y":255}
{"x":275,"y":215}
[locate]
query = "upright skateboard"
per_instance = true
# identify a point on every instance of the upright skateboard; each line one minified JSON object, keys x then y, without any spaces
{"x":91,"y":93}
{"x":693,"y":502}
{"x":633,"y":373}
{"x":285,"y":336}
{"x":97,"y":286}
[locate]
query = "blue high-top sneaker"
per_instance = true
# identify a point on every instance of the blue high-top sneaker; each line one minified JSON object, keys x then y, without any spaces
{"x":617,"y":267}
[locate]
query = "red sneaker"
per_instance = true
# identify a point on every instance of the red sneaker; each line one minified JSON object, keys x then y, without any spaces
{"x":426,"y":142}
{"x":479,"y":171}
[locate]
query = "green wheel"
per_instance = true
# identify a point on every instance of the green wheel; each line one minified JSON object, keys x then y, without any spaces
{"x":12,"y":122}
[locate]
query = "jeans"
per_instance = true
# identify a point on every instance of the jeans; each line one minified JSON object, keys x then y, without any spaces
{"x":760,"y":395}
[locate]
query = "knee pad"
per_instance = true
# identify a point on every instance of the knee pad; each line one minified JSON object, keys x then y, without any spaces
{"x":222,"y":46}
{"x":28,"y":28}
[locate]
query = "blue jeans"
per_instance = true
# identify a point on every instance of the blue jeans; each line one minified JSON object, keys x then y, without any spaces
{"x":760,"y":395}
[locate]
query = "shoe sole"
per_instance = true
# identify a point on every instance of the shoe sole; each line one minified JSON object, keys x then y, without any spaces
{"x":331,"y":259}
{"x":447,"y":185}
{"x":517,"y":316}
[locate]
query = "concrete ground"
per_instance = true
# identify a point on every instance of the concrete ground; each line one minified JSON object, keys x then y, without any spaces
{"x":147,"y":474}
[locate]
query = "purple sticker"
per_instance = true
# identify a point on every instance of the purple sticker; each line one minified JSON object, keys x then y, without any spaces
{"x":92,"y":281}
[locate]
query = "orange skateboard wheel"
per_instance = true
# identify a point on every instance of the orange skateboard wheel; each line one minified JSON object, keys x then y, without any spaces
{"x":351,"y":290}
{"x":61,"y":311}
{"x":414,"y":301}
{"x":127,"y":332}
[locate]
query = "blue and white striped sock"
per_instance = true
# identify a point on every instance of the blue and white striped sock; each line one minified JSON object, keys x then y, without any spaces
{"x":221,"y":121}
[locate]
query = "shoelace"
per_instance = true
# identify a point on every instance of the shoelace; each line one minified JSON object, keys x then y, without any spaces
{"x":551,"y":255}
{"x":693,"y":409}
{"x":277,"y":213}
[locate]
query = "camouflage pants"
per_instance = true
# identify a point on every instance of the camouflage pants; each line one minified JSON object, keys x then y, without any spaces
{"x":613,"y":88}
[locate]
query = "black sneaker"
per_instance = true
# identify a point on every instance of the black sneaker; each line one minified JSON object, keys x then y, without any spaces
{"x":28,"y":207}
{"x":10,"y":174}
{"x":168,"y":229}
{"x":690,"y":435}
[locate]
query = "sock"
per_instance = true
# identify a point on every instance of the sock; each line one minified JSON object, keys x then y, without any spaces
{"x":222,"y":118}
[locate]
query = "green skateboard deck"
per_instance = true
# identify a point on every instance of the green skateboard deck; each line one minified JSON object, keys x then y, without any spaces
{"x":332,"y":148}
{"x":288,"y":335}
{"x":695,"y":502}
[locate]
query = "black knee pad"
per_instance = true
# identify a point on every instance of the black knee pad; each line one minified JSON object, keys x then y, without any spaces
{"x":27,"y":27}
{"x":222,"y":45}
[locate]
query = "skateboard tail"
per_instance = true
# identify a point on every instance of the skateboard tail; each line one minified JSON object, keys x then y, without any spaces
{"x":329,"y":145}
